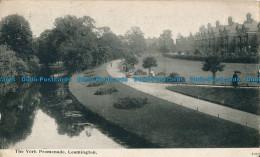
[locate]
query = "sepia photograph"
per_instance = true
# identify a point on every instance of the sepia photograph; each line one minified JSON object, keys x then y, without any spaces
{"x":136,"y":78}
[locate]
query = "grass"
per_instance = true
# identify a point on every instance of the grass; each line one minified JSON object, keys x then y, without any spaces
{"x":131,"y":103}
{"x":187,"y":69}
{"x":239,"y":98}
{"x":95,"y":84}
{"x":162,"y":122}
{"x":104,"y":91}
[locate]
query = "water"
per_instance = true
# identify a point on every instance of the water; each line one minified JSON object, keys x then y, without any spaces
{"x":45,"y":135}
{"x":45,"y":116}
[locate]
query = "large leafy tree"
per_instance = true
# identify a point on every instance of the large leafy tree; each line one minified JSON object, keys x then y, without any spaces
{"x":15,"y":32}
{"x":69,"y":27}
{"x":47,"y":49}
{"x":166,"y":43}
{"x":10,"y":66}
{"x":135,"y":40}
{"x":77,"y":54}
{"x":213,"y":65}
{"x":72,"y":41}
{"x":132,"y":60}
{"x":149,"y":62}
{"x":109,"y":46}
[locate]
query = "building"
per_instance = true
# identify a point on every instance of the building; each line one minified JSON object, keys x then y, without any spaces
{"x":223,"y":40}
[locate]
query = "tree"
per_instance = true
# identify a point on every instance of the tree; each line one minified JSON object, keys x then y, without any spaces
{"x":166,"y":43}
{"x":15,"y":32}
{"x":135,"y":40}
{"x":77,"y":54}
{"x":109,"y":46}
{"x":152,"y":44}
{"x":197,"y":52}
{"x":10,"y":67}
{"x":149,"y":62}
{"x":213,"y":65}
{"x":72,"y":28}
{"x":101,"y":53}
{"x":72,"y":41}
{"x":47,"y":50}
{"x":253,"y":45}
{"x":232,"y":47}
{"x":132,"y":60}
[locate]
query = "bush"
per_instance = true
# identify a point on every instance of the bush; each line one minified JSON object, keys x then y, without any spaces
{"x":250,"y":60}
{"x":103,"y":91}
{"x":197,"y":52}
{"x":185,"y":57}
{"x":95,"y":84}
{"x":245,"y":59}
{"x":161,"y":74}
{"x":140,"y":72}
{"x":176,"y":76}
{"x":131,"y":103}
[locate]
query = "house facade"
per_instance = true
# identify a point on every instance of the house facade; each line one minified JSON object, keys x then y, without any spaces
{"x":233,"y":39}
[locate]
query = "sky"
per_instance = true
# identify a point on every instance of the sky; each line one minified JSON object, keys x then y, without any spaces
{"x":151,"y":16}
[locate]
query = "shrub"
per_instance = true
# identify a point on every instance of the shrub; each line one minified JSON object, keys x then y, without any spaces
{"x":246,"y":59}
{"x":176,"y":76}
{"x":131,"y":103}
{"x":161,"y":74}
{"x":140,"y":72}
{"x":185,"y":57}
{"x":95,"y":84}
{"x":197,"y":52}
{"x":230,"y":59}
{"x":103,"y":91}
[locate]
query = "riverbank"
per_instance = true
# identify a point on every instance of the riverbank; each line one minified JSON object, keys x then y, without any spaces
{"x":161,"y":122}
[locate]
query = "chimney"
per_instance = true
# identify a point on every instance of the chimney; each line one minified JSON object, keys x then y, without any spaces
{"x":209,"y":25}
{"x":217,"y":23}
{"x":248,"y":17}
{"x":230,"y":21}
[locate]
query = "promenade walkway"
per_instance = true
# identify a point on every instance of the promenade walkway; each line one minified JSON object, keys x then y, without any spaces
{"x":160,"y":91}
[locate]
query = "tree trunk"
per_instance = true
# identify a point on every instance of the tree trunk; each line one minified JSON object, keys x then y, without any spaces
{"x":213,"y":76}
{"x":149,"y":74}
{"x":126,"y":68}
{"x":97,"y":62}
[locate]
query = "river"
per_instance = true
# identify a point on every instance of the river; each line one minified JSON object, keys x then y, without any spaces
{"x":46,"y":116}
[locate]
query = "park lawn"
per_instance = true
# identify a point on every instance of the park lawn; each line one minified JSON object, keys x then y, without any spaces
{"x":244,"y":99}
{"x":188,"y":68}
{"x":161,"y":122}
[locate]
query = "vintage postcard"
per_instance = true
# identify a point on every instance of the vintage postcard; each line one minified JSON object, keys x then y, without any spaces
{"x":129,"y":78}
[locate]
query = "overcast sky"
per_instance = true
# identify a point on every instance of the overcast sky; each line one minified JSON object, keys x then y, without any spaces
{"x":152,"y":17}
